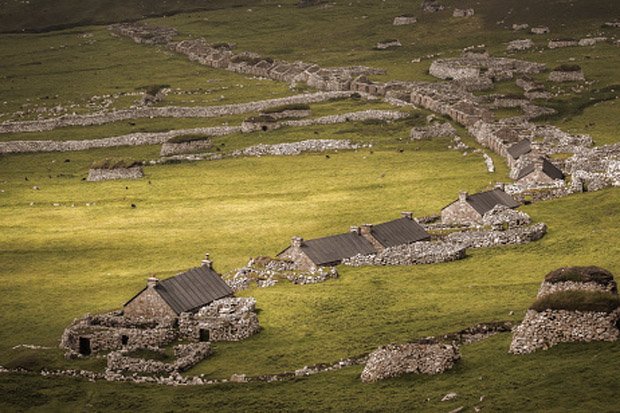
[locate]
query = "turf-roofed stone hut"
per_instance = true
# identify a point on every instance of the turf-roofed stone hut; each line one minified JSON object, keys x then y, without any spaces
{"x":183,"y":293}
{"x":541,"y":171}
{"x":469,"y":209}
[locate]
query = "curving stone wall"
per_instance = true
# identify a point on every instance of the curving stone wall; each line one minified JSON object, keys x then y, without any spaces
{"x":135,"y":172}
{"x":541,"y":331}
{"x":165,"y":112}
{"x":420,"y":358}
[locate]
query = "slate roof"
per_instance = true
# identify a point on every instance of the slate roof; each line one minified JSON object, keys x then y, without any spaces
{"x":520,"y":148}
{"x":483,"y":202}
{"x":548,"y":169}
{"x":398,"y":232}
{"x":332,"y":250}
{"x":192,"y":289}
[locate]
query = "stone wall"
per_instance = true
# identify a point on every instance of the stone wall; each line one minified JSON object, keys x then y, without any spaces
{"x":547,"y":288}
{"x":563,"y":76}
{"x":135,"y":172}
{"x":387,"y":44}
{"x":463,"y":12}
{"x":148,"y":304}
{"x":518,"y":45}
{"x":411,"y":254}
{"x":493,"y":238}
{"x":187,"y":355}
{"x":542,"y":330}
{"x":228,"y":319}
{"x":174,"y":148}
{"x":435,"y":130}
{"x":460,"y":212}
{"x":420,"y":358}
{"x":101,"y":118}
{"x":296,"y":148}
{"x":404,"y":20}
{"x":556,"y":44}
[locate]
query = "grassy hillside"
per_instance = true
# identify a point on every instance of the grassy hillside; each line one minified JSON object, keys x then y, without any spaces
{"x":73,"y":247}
{"x":44,"y":15}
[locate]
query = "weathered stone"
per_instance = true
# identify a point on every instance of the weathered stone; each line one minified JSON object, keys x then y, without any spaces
{"x":135,"y":172}
{"x":404,"y":20}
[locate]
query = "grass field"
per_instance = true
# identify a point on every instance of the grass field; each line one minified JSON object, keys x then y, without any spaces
{"x":92,"y":251}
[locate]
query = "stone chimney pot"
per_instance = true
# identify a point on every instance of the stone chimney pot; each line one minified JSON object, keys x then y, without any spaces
{"x":407,"y":214}
{"x":152,"y":281}
{"x":297,"y":241}
{"x":462,"y":196}
{"x":355,"y":229}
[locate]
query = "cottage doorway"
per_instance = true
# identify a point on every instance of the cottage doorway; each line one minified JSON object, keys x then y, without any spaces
{"x":124,"y":340}
{"x":85,"y":346}
{"x":204,"y":334}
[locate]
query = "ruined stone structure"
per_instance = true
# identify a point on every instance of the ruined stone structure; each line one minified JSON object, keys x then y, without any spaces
{"x":425,"y":357}
{"x":411,"y":254}
{"x":519,"y":45}
{"x":463,"y":12}
{"x":191,"y":146}
{"x":404,"y":20}
{"x":135,"y":172}
{"x":387,"y":44}
{"x":473,"y":65}
{"x":435,"y":130}
{"x":297,"y":148}
{"x":145,"y":34}
{"x":196,"y":306}
{"x":559,"y":43}
{"x":494,"y":238}
{"x":567,"y":76}
{"x":540,"y":30}
{"x":591,"y":41}
{"x":522,"y":26}
{"x":432,"y":6}
{"x":545,"y":328}
{"x":186,"y":356}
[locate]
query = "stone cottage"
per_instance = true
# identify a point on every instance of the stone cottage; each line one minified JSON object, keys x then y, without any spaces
{"x":469,"y":209}
{"x":517,"y":150}
{"x":362,"y":240}
{"x":186,"y":292}
{"x":389,"y":234}
{"x":540,"y":171}
{"x":195,"y":306}
{"x":309,"y":255}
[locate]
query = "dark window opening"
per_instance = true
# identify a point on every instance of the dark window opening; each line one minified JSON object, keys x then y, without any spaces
{"x":265,"y":128}
{"x":124,"y":340}
{"x":85,"y":346}
{"x":204,"y":335}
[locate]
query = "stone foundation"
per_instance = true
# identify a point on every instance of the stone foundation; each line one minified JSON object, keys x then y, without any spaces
{"x":173,"y":148}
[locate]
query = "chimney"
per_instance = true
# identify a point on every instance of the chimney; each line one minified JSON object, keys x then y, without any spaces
{"x":355,"y":229}
{"x":297,"y":241}
{"x":407,"y":214}
{"x":366,"y":229}
{"x":152,"y":281}
{"x":499,"y":185}
{"x":462,"y":196}
{"x":207,"y":262}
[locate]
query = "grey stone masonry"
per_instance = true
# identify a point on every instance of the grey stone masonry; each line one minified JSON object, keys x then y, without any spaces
{"x":411,"y":254}
{"x":388,"y":44}
{"x":420,"y":358}
{"x":135,"y":172}
{"x":560,"y":76}
{"x":591,"y":41}
{"x":518,"y":45}
{"x":542,"y":330}
{"x":559,"y":43}
{"x":101,"y":118}
{"x":179,"y":148}
{"x":547,"y":288}
{"x":540,"y":30}
{"x":142,"y":33}
{"x":435,"y":130}
{"x":188,"y":355}
{"x":463,"y":12}
{"x":404,"y":20}
{"x":296,"y":148}
{"x":492,"y":238}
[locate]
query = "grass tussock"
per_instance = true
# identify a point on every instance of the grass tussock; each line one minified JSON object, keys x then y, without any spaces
{"x":600,"y":302}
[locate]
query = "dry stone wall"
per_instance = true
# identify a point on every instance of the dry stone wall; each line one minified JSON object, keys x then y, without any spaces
{"x":297,"y":148}
{"x":488,"y":239}
{"x":411,"y":254}
{"x":188,"y":355}
{"x":180,"y":148}
{"x":547,"y":288}
{"x":543,"y":330}
{"x":420,"y":358}
{"x":135,"y":172}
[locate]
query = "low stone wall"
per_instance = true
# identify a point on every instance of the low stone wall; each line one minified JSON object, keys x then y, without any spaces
{"x":543,"y":330}
{"x":547,"y":288}
{"x":488,"y":239}
{"x":166,"y":112}
{"x":591,"y":41}
{"x":518,"y":45}
{"x":173,"y":148}
{"x":463,"y":12}
{"x":388,"y":45}
{"x":501,"y":218}
{"x":435,"y":130}
{"x":411,"y":254}
{"x":188,"y":355}
{"x":556,"y":44}
{"x":135,"y":172}
{"x":404,"y":20}
{"x":420,"y":358}
{"x":296,"y":148}
{"x":540,"y":30}
{"x":562,"y":76}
